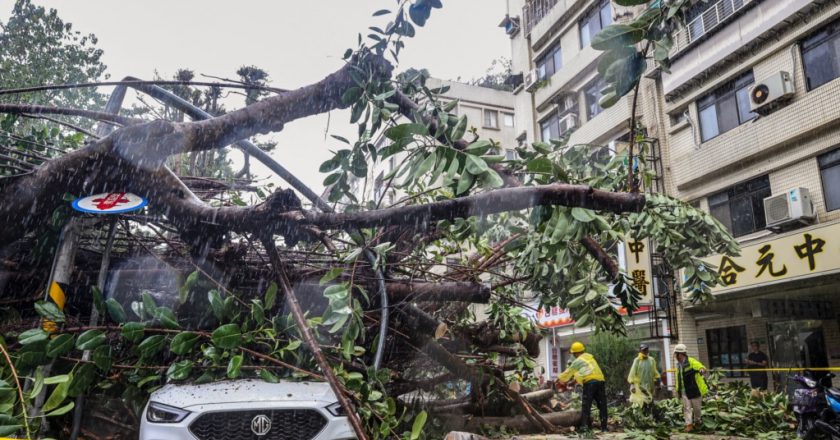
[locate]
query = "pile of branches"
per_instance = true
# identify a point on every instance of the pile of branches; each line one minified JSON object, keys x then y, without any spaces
{"x":730,"y":408}
{"x":393,"y":316}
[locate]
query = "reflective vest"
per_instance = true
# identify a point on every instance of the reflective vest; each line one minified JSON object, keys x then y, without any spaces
{"x":584,"y":369}
{"x":691,"y":373}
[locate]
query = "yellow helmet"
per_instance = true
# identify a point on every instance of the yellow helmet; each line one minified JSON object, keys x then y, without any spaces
{"x":577,"y":347}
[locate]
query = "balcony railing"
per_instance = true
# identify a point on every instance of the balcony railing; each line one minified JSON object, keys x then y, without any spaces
{"x":710,"y":19}
{"x":534,"y":11}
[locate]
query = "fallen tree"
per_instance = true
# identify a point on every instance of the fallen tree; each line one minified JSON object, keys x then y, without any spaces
{"x":553,"y":221}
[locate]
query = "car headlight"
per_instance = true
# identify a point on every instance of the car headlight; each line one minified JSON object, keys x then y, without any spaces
{"x":336,"y":409}
{"x":160,"y":413}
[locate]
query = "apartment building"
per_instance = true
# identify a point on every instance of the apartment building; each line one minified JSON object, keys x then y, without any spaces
{"x":558,"y":96}
{"x":750,"y":127}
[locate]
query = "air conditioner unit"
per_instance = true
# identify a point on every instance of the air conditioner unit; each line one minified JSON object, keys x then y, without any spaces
{"x":533,"y":78}
{"x":771,"y":91}
{"x":791,"y":208}
{"x":567,"y":123}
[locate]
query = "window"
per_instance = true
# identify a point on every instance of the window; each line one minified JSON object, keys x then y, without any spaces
{"x":550,"y":62}
{"x":726,"y":107}
{"x":508,"y":118}
{"x":728,"y":348}
{"x":491,"y":119}
{"x":556,"y":125}
{"x":741,"y":207}
{"x":830,"y":174}
{"x":593,"y":22}
{"x":593,"y":95}
{"x":511,"y":154}
{"x":821,"y":56}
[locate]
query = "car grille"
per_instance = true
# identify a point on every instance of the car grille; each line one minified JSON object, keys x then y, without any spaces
{"x":291,"y":424}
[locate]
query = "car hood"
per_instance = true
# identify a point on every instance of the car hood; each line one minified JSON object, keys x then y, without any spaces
{"x":248,"y":390}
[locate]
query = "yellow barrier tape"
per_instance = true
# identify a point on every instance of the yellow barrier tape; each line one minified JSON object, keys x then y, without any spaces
{"x":751,"y":370}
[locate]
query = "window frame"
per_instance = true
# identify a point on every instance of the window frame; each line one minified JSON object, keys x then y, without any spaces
{"x":594,"y":13}
{"x":596,"y":84}
{"x":726,"y":334}
{"x":824,"y":35}
{"x":744,"y":191}
{"x":505,"y":117}
{"x":488,"y":111}
{"x":549,"y":56}
{"x":554,"y":117}
{"x":732,"y":91}
{"x":831,"y":163}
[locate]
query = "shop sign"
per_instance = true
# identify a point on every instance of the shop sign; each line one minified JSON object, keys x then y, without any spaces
{"x":637,"y":256}
{"x":550,"y":317}
{"x":801,"y":255}
{"x":109,"y":203}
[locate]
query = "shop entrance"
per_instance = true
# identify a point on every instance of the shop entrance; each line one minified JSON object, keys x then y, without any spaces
{"x":796,"y":344}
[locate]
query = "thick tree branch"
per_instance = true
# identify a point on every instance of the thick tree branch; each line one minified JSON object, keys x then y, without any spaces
{"x":598,"y":252}
{"x":438,"y":292}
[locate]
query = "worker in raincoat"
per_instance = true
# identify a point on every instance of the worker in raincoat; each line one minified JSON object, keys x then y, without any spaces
{"x":642,"y":379}
{"x":691,"y":386}
{"x":585,"y":371}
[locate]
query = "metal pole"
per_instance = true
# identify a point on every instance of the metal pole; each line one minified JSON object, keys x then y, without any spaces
{"x":94,"y":320}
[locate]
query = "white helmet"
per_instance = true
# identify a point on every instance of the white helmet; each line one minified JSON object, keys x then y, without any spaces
{"x":680,"y":348}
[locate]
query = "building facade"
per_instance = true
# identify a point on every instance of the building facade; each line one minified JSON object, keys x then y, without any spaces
{"x":748,"y":112}
{"x":558,"y":97}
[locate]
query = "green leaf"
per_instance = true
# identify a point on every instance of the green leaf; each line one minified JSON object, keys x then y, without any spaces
{"x":401,"y":131}
{"x":60,"y":345}
{"x":32,"y":336}
{"x":179,"y":370}
{"x":330,"y":275}
{"x":625,"y":72}
{"x":133,"y":331}
{"x":268,"y":376}
{"x":102,"y":357}
{"x":115,"y":310}
{"x":61,"y":411}
{"x":234,"y":366}
{"x":182,"y":343}
{"x":492,"y":179}
{"x":617,"y":35}
{"x":9,"y":425}
{"x":149,"y":305}
{"x":591,"y":295}
{"x":479,"y":147}
{"x":228,"y":336}
{"x":539,"y":165}
{"x":151,"y":346}
{"x":98,"y":302}
{"x":216,"y":304}
{"x":257,"y":311}
{"x":54,"y":380}
{"x":464,"y":183}
{"x":84,"y":377}
{"x":58,"y":395}
{"x":417,"y":427}
{"x":582,"y":215}
{"x":167,"y":318}
{"x":381,"y":12}
{"x":49,"y":311}
{"x":271,"y":296}
{"x":631,"y":2}
{"x":460,"y":128}
{"x":475,"y":165}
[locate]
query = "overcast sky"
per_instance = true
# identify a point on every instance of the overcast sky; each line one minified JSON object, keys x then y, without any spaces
{"x":297,"y":42}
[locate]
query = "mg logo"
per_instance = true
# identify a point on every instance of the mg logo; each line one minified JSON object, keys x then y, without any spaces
{"x":260,"y":425}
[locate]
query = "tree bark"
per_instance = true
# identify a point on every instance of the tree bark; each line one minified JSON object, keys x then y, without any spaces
{"x":438,"y":292}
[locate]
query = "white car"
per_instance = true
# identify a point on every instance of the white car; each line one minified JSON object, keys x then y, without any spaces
{"x":245,"y":409}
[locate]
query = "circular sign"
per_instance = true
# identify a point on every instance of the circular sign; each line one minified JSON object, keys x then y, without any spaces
{"x":110,"y":203}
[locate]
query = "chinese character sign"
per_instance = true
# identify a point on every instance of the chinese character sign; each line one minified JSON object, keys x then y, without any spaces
{"x":637,"y":257}
{"x":798,"y":255}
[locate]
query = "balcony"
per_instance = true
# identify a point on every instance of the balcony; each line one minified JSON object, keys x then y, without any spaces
{"x":534,"y":11}
{"x":713,"y":17}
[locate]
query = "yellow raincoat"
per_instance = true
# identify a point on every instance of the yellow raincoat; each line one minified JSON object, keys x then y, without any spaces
{"x":642,"y":378}
{"x":584,"y":369}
